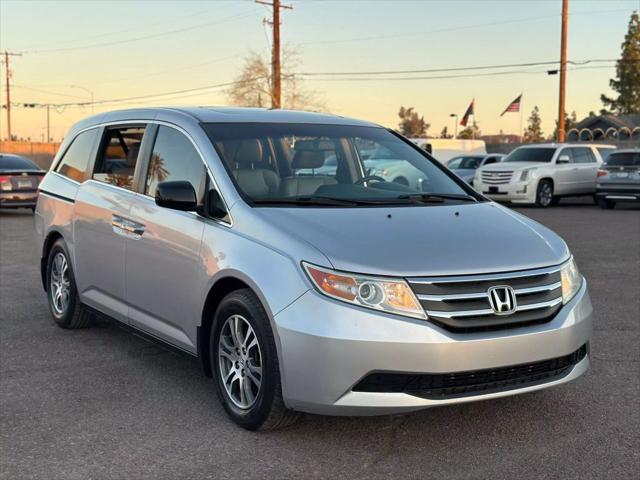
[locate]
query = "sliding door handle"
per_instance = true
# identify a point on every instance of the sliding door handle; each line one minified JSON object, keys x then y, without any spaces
{"x":126,"y":227}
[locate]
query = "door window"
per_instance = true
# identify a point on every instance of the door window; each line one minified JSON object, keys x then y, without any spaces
{"x":567,"y":152}
{"x":118,"y":157}
{"x":175,"y":158}
{"x":75,"y":162}
{"x":583,"y":155}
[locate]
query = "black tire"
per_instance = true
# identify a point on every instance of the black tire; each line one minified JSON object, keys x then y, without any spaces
{"x":268,"y":411}
{"x":544,"y":194}
{"x":607,"y":204}
{"x":74,"y":315}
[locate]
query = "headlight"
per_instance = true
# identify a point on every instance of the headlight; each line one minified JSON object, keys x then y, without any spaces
{"x":386,"y":294}
{"x":571,"y":280}
{"x":525,"y":174}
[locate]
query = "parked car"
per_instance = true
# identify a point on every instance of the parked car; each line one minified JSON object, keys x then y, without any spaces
{"x":465,"y":166}
{"x":444,"y":149}
{"x":19,"y":180}
{"x":339,"y":294}
{"x":619,"y":178}
{"x":541,"y":174}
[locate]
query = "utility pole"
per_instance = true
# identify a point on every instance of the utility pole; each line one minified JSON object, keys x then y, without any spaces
{"x":563,"y":71}
{"x":48,"y":123}
{"x":7,"y":77}
{"x":276,"y":80}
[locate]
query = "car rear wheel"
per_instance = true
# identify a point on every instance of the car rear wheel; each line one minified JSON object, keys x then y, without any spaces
{"x":606,"y":204}
{"x":64,"y":303}
{"x":244,"y":361}
{"x":544,"y":194}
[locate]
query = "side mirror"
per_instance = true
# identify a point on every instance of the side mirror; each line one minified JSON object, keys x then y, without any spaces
{"x":177,"y":195}
{"x":563,"y":159}
{"x":214,"y":205}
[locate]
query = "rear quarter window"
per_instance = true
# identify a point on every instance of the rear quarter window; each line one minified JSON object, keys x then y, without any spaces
{"x":75,"y":161}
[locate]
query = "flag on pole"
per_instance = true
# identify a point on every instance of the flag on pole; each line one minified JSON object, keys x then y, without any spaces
{"x":513,"y":106}
{"x":467,"y":114}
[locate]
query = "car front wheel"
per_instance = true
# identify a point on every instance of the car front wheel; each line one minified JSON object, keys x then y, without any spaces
{"x":244,"y":361}
{"x":544,"y":194}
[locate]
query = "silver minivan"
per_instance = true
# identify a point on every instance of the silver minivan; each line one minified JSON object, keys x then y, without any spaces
{"x":302,"y":288}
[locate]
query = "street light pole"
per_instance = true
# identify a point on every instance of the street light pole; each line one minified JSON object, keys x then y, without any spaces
{"x":456,"y":124}
{"x":90,"y":92}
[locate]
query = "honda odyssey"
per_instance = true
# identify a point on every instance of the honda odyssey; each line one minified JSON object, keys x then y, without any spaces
{"x":302,"y":288}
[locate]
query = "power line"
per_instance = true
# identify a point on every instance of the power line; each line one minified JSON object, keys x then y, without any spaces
{"x":118,"y":32}
{"x":454,"y":69}
{"x":451,"y":29}
{"x":140,"y":97}
{"x":136,"y":39}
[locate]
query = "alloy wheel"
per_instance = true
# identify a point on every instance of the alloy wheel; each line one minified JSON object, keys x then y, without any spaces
{"x":60,"y":284}
{"x":240,"y":361}
{"x":546,"y":195}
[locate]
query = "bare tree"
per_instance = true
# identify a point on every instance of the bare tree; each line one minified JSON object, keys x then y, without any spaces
{"x":253,"y":86}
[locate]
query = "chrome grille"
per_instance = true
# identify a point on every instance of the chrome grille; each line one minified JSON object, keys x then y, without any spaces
{"x":461,"y":303}
{"x":496,"y":177}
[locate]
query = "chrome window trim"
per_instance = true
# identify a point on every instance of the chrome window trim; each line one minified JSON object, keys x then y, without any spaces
{"x":485,"y":277}
{"x":228,"y":224}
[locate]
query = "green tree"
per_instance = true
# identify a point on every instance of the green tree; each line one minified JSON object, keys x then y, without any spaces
{"x":533,"y":133}
{"x":470,"y":132}
{"x":411,"y":124}
{"x":569,"y":123}
{"x":445,"y":133}
{"x":627,"y":81}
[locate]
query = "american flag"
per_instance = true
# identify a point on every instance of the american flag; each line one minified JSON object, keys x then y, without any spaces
{"x":513,"y":106}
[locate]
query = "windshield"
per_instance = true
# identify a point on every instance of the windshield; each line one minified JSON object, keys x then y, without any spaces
{"x":530,"y":155}
{"x":329,"y":165}
{"x":626,"y":159}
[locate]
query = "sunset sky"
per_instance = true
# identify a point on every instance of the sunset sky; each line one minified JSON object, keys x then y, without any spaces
{"x":119,"y":49}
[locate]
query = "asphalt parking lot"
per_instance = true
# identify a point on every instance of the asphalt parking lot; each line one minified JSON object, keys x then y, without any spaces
{"x":102,"y":403}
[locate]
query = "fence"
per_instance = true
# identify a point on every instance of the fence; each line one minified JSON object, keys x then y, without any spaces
{"x":41,"y":153}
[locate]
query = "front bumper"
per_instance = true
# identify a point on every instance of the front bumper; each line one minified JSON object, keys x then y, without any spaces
{"x":17,"y":199}
{"x":327,"y":347}
{"x":516,"y":192}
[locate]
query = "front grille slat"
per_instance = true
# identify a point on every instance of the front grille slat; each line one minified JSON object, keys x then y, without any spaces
{"x":461,"y":303}
{"x":459,"y":384}
{"x":496,"y":178}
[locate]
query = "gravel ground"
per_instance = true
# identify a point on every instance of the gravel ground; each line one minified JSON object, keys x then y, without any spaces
{"x":103,"y":403}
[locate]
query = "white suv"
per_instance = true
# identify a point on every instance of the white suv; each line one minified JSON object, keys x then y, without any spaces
{"x":541,"y":174}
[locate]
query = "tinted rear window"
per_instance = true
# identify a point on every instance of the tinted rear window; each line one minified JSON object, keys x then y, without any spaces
{"x":531,"y":155}
{"x":16,"y":163}
{"x":624,"y":159}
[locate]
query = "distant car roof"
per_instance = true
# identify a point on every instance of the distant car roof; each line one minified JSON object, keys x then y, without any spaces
{"x":9,"y":161}
{"x":558,"y":145}
{"x":625,"y":150}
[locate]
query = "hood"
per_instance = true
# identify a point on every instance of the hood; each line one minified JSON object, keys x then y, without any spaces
{"x":512,"y":166}
{"x":422,"y":240}
{"x":465,"y":173}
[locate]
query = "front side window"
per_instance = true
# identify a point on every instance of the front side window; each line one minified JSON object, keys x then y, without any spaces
{"x":531,"y":154}
{"x":175,"y":158}
{"x":75,"y":162}
{"x":332,"y":165}
{"x":583,"y":155}
{"x":118,"y":157}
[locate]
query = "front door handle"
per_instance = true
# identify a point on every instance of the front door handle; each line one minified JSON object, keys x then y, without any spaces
{"x":127,"y":227}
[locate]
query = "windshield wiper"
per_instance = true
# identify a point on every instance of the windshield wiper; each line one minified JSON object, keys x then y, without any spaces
{"x":308,"y":200}
{"x":437,"y":197}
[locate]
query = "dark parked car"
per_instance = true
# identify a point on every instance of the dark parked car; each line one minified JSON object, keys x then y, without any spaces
{"x":619,"y":178}
{"x":19,"y":180}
